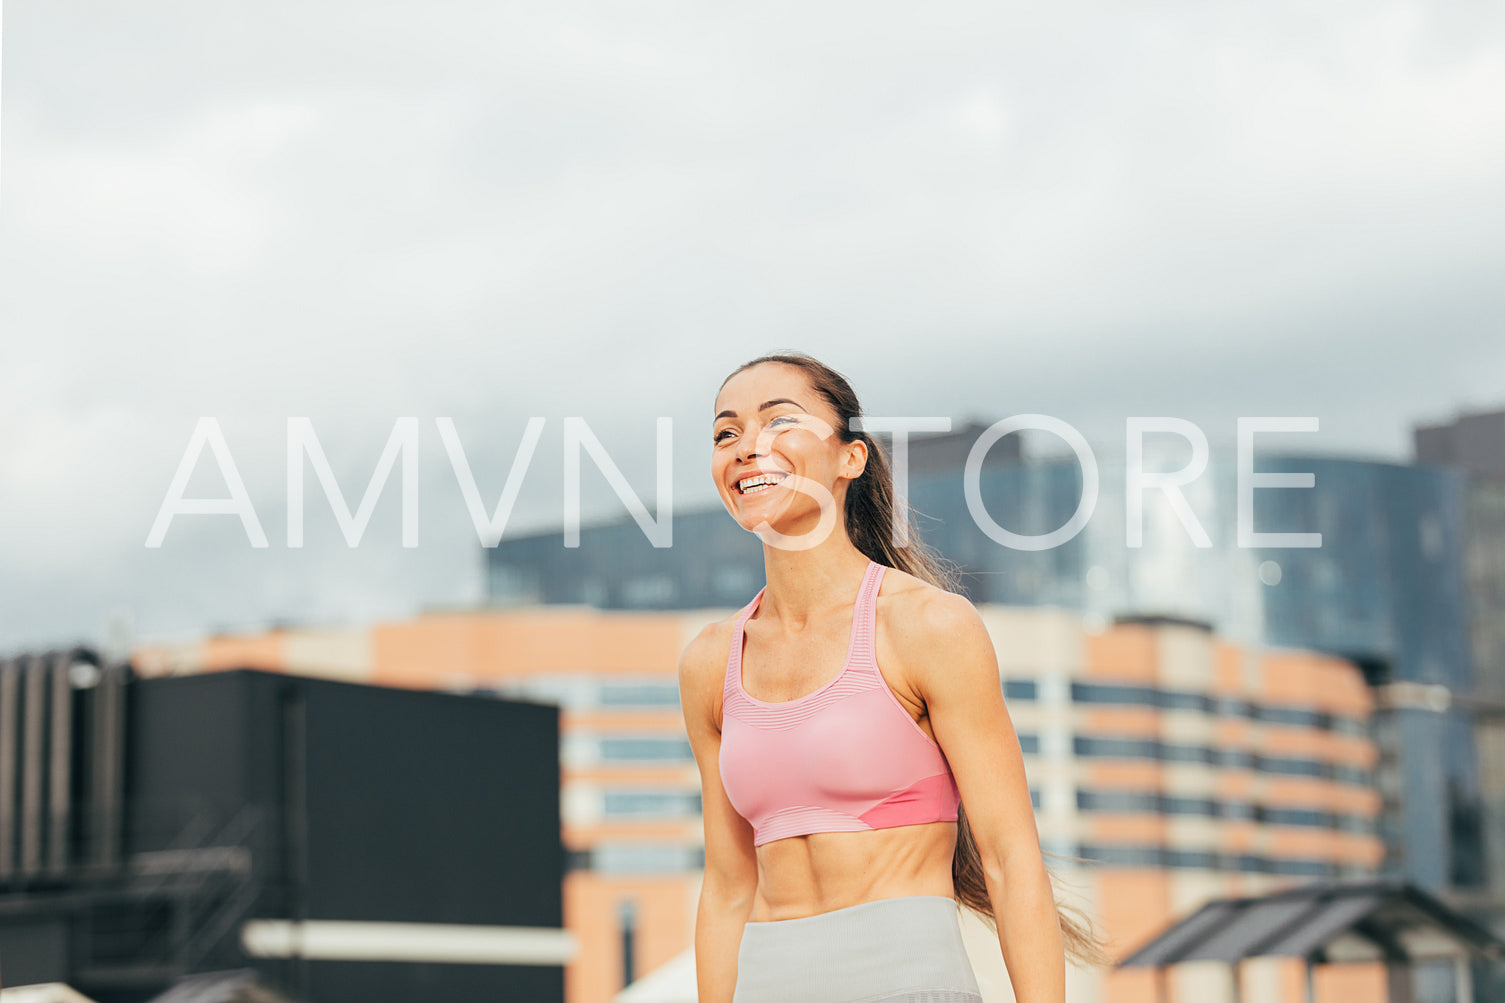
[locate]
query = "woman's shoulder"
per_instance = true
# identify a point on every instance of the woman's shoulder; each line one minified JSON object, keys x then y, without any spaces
{"x":704,"y":658}
{"x":915,"y":613}
{"x":904,"y":593}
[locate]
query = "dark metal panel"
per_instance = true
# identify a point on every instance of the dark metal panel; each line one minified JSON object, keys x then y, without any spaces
{"x":99,"y":768}
{"x":1303,"y":921}
{"x":33,"y":726}
{"x":60,"y":787}
{"x":10,"y":677}
{"x":1259,"y":922}
{"x":1441,"y":935}
{"x":1336,"y":917}
{"x":1168,"y":946}
{"x":187,"y":755}
{"x":292,"y":716}
{"x":109,"y":750}
{"x":34,"y":949}
{"x":423,"y":789}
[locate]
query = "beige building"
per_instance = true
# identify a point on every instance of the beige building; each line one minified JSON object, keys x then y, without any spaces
{"x":1185,"y":766}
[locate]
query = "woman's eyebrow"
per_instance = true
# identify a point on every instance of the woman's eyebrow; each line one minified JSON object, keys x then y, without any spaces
{"x":762,"y":407}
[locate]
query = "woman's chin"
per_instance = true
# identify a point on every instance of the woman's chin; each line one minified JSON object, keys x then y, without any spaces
{"x":754,"y":518}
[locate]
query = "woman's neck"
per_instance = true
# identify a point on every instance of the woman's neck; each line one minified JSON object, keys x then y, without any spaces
{"x":803,"y":584}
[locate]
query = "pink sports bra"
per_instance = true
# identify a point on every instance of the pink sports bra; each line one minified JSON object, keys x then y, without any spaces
{"x":845,"y":758}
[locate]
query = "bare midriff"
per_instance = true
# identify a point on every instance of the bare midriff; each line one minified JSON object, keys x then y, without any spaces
{"x":805,"y":875}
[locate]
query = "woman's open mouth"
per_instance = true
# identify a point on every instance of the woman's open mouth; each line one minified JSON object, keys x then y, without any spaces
{"x":758,"y":482}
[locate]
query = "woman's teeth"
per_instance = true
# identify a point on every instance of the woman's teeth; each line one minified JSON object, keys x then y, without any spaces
{"x":760,"y":483}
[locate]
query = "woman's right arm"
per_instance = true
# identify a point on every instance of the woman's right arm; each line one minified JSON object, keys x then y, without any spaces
{"x":731,"y":865}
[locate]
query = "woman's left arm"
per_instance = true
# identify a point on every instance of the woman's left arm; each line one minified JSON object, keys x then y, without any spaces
{"x":948,"y":657}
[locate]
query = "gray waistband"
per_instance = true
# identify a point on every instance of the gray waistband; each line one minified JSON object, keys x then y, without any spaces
{"x":906,"y":948}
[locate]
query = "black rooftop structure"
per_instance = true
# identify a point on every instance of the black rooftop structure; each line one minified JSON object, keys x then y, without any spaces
{"x":1370,"y":920}
{"x":264,"y":833}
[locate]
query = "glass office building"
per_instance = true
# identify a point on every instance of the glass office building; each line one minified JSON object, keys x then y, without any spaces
{"x":1474,"y":445}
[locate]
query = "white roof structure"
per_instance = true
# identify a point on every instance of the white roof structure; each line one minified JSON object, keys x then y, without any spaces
{"x":671,"y":982}
{"x":43,"y":992}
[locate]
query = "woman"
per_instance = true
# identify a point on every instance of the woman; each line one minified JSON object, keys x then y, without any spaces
{"x":837,"y":849}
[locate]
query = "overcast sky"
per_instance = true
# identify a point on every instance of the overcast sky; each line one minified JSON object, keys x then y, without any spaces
{"x":356,"y":212}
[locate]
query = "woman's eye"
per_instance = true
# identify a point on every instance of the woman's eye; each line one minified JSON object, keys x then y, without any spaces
{"x":781,"y":418}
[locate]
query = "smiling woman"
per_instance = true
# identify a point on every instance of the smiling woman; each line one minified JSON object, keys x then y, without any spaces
{"x":860,"y":776}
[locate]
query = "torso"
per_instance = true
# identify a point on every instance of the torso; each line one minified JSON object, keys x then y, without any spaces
{"x":815,"y":873}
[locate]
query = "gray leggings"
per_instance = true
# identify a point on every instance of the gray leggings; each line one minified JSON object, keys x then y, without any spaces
{"x":896,"y":950}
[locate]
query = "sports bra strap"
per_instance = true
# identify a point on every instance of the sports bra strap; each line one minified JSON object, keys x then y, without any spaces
{"x":862,"y":654}
{"x":865,"y":625}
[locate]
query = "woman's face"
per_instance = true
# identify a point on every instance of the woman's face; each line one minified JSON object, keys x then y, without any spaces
{"x":771,"y":424}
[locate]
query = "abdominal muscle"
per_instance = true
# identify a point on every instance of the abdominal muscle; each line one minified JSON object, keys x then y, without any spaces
{"x":805,"y":875}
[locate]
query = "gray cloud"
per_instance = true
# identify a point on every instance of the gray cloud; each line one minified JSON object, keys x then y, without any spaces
{"x":356,"y":212}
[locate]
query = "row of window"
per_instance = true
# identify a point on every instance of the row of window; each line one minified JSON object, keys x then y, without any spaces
{"x":650,"y":804}
{"x":636,"y":858}
{"x":584,"y":691}
{"x":1122,"y":694}
{"x":1157,"y":803}
{"x":654,"y":748}
{"x":619,"y":804}
{"x":1240,"y":759}
{"x":639,"y":694}
{"x":645,"y":748}
{"x":680,"y":804}
{"x":655,"y":858}
{"x":1112,"y":855}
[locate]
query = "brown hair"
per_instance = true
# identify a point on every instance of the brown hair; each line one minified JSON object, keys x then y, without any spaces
{"x":869,"y":525}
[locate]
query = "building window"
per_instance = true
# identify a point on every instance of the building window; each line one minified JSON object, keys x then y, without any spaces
{"x":1344,"y":725}
{"x":1232,"y":707}
{"x":1303,"y":868}
{"x":1174,"y":753}
{"x":734,"y":581}
{"x":1294,"y":716}
{"x":1355,"y":775}
{"x":1020,"y":689}
{"x":1103,"y":693}
{"x":1119,"y":801}
{"x":637,"y":749}
{"x":1113,"y":855}
{"x":1197,"y":859}
{"x":1137,"y":801}
{"x":1295,"y":816}
{"x":1233,"y":759}
{"x":1173,"y":805}
{"x":1123,"y":695}
{"x":658,"y":693}
{"x":1294,"y":767}
{"x":1116,"y":748}
{"x":1119,"y":855}
{"x":650,"y":804}
{"x":648,"y":591}
{"x":1357,"y":823}
{"x":1173,"y":700}
{"x":645,"y":858}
